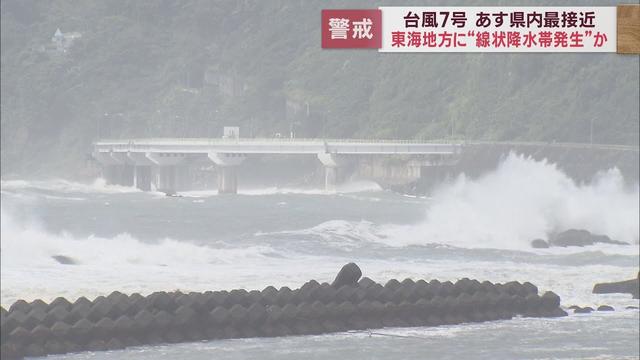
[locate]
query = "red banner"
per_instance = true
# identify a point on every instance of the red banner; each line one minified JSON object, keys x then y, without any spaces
{"x":360,"y":28}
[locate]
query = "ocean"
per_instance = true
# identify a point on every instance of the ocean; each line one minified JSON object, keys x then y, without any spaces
{"x":131,"y":241}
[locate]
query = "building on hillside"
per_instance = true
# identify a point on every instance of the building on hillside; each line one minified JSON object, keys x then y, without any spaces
{"x":61,"y":42}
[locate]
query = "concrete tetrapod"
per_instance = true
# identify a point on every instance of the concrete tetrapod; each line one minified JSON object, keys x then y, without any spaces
{"x":350,"y":302}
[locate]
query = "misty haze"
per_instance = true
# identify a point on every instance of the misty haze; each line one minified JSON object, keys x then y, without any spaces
{"x":200,"y":179}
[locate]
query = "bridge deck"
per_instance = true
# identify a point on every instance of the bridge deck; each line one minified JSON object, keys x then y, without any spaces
{"x":277,"y":146}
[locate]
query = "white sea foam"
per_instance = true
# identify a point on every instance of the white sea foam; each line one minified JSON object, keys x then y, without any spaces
{"x":524,"y":199}
{"x":126,"y":264}
{"x":59,"y":185}
{"x":504,"y":209}
{"x":521,"y":200}
{"x":349,"y":187}
{"x":105,"y":264}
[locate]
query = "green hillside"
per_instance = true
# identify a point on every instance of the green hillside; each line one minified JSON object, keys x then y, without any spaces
{"x":187,"y":68}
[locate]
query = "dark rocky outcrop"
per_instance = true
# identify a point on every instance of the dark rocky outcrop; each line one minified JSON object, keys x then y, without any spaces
{"x":539,"y":244}
{"x":623,"y":287}
{"x":605,"y":308}
{"x":119,"y":320}
{"x":573,"y":237}
{"x":583,"y":310}
{"x":64,"y":260}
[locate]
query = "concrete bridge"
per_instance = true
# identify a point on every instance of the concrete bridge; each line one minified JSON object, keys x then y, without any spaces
{"x":139,"y":162}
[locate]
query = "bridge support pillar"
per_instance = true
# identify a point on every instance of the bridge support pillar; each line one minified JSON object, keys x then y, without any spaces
{"x":127,"y":175}
{"x":330,"y":178}
{"x":227,"y":164}
{"x":184,"y":178}
{"x":122,"y":174}
{"x":111,"y":174}
{"x":332,"y":165}
{"x":167,"y":179}
{"x":227,"y":180}
{"x":143,"y":177}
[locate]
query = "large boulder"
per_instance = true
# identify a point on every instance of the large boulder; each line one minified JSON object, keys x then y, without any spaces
{"x":574,"y":237}
{"x":348,"y":275}
{"x":623,"y":287}
{"x":539,"y":244}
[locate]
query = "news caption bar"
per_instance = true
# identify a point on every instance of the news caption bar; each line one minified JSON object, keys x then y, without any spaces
{"x":590,"y":29}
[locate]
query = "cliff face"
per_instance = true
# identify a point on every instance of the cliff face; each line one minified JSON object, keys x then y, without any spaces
{"x":187,"y":68}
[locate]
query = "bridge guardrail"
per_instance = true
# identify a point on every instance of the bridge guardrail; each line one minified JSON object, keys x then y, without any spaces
{"x":205,"y":141}
{"x":133,"y":143}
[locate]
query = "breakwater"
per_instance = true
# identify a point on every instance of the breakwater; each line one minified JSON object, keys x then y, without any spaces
{"x":351,"y":302}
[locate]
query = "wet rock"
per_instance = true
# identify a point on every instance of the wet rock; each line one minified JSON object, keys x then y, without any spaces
{"x":529,"y":288}
{"x":550,"y":300}
{"x":624,"y":287}
{"x":584,"y":310}
{"x":348,"y":275}
{"x":539,"y":244}
{"x":605,"y":308}
{"x":631,"y":307}
{"x":574,"y":237}
{"x":64,"y":260}
{"x":558,"y":313}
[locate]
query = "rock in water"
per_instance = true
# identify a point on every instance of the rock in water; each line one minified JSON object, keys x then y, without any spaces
{"x":539,"y":244}
{"x":573,"y":237}
{"x":64,"y":260}
{"x":624,"y":287}
{"x":584,"y":310}
{"x":348,"y":275}
{"x":605,"y":308}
